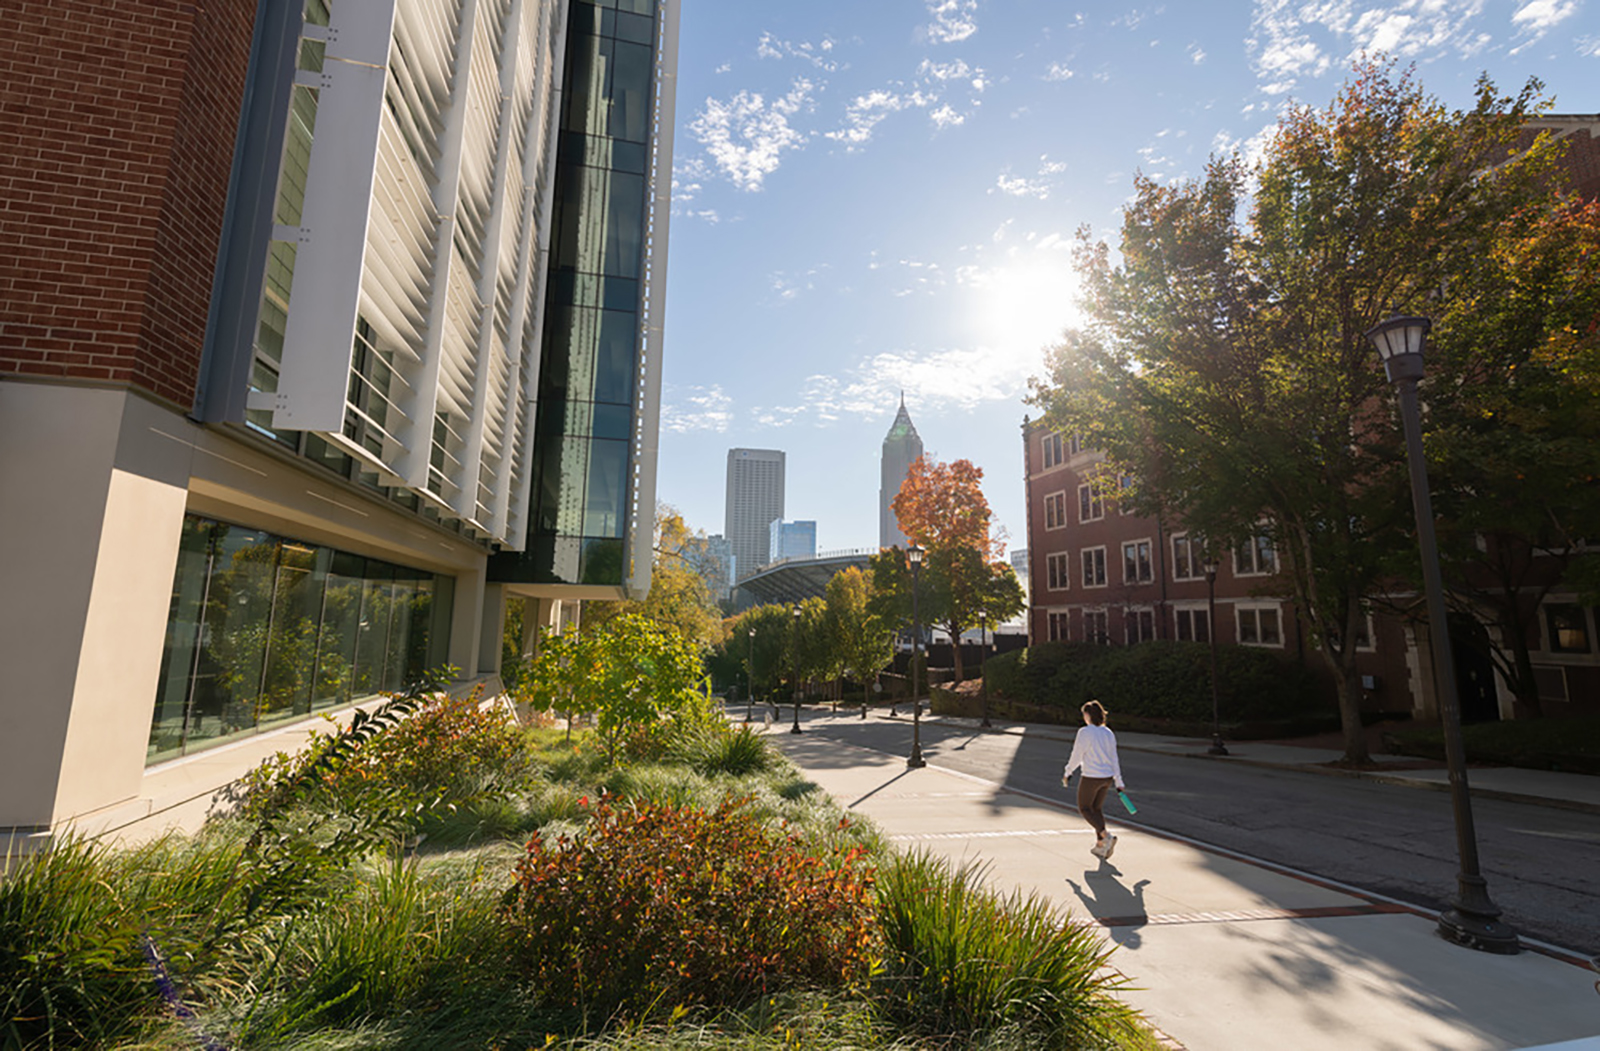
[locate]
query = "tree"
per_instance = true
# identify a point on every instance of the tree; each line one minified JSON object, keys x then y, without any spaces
{"x":1515,"y":448}
{"x":941,"y":507}
{"x":1224,"y":367}
{"x":952,"y":588}
{"x":765,"y":656}
{"x":629,"y":670}
{"x":862,"y":642}
{"x":679,"y":598}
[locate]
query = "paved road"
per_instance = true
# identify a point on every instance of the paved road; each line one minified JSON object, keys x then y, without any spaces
{"x":1542,"y":864}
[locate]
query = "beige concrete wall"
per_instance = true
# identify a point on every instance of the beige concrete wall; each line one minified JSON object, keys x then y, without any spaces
{"x":89,"y":521}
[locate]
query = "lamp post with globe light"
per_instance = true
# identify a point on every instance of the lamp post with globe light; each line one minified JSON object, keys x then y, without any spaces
{"x":1471,"y":919}
{"x":795,"y":637}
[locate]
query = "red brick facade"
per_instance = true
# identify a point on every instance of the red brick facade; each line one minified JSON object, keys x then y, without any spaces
{"x":117,"y":125}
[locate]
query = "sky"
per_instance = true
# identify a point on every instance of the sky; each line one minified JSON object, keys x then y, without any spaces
{"x":877,"y":197}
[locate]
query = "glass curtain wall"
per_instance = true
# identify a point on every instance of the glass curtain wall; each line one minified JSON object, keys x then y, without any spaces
{"x":263,"y":629}
{"x":589,"y":368}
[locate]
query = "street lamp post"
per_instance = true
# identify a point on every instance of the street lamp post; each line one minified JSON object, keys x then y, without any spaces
{"x":914,"y":553}
{"x":983,"y":649}
{"x":750,"y":676}
{"x":1217,"y":747}
{"x":796,"y":638}
{"x":1472,"y":919}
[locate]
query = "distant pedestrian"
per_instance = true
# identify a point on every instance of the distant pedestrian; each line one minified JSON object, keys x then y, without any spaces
{"x":1095,"y":751}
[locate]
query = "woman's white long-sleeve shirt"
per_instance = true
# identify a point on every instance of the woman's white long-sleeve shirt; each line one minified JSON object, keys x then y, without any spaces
{"x":1095,"y":749}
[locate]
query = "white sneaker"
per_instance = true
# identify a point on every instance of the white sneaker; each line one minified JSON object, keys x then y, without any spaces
{"x":1098,"y":850}
{"x":1111,"y":844}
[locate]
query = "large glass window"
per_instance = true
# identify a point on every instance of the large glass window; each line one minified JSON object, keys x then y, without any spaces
{"x":263,"y":628}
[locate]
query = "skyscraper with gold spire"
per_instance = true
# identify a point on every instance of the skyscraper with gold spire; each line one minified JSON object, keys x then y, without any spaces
{"x":901,"y":446}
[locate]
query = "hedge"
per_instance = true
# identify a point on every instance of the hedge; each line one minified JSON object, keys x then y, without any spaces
{"x":1159,"y":680}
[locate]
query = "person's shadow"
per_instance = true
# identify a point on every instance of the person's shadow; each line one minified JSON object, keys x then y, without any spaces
{"x":1112,"y":904}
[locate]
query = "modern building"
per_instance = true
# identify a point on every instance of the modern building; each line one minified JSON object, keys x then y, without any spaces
{"x":791,"y":540}
{"x":1019,"y":566}
{"x":754,"y":499}
{"x":326,"y":328}
{"x":902,"y":447}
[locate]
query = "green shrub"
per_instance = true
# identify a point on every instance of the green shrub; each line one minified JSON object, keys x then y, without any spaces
{"x":654,"y":907}
{"x":1160,"y":680}
{"x":1570,"y":744}
{"x":964,"y":960}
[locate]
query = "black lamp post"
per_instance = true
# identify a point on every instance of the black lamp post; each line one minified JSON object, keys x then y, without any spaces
{"x":1472,"y":919}
{"x":750,"y":676}
{"x":1217,"y":747}
{"x":914,"y":554}
{"x":983,"y":649}
{"x":796,"y":638}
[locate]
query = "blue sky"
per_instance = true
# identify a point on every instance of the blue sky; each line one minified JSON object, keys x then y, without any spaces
{"x":873,"y":196}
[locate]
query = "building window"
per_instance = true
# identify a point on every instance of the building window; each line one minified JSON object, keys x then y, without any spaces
{"x":1094,"y":627}
{"x":1566,"y":628}
{"x":264,"y":629}
{"x":1194,"y":625}
{"x":1057,"y":571}
{"x":1258,"y":626}
{"x":1188,"y":557}
{"x":1074,"y":445}
{"x":1057,"y":625}
{"x":1052,"y":451}
{"x":1140,"y":625}
{"x":1091,"y":506}
{"x":1094,"y":567}
{"x":1255,"y":557}
{"x":1055,"y":510}
{"x":1136,"y":562}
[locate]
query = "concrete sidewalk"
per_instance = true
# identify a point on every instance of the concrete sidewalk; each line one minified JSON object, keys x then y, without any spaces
{"x":1228,"y":953}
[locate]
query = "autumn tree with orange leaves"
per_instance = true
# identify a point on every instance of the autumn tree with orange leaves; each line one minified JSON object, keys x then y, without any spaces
{"x":941,"y":507}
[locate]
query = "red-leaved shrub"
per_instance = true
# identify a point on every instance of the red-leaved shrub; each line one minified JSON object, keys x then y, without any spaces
{"x":655,"y":906}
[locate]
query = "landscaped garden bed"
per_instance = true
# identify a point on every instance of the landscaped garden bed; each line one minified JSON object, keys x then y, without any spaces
{"x":436,"y":877}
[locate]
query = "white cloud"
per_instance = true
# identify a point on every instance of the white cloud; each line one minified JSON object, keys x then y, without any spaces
{"x":1292,"y":39}
{"x":1058,"y":71}
{"x":953,"y":20}
{"x":1197,"y":55}
{"x":746,"y":137}
{"x":770,"y":46}
{"x":789,"y":286}
{"x":866,"y":112}
{"x":1019,"y":186}
{"x":1589,"y":47}
{"x":1541,"y":15}
{"x":946,"y":116}
{"x":699,"y":409}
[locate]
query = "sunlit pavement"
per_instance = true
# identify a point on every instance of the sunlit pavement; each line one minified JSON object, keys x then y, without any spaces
{"x":1226,"y":952}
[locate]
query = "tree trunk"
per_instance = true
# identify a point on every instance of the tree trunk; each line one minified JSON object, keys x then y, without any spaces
{"x":1524,"y":687}
{"x":955,"y":647}
{"x":1355,"y":738}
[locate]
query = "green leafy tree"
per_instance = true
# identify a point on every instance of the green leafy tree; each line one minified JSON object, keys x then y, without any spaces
{"x":1514,"y":447}
{"x":1224,"y":367}
{"x":765,"y":656}
{"x":861,"y":641}
{"x":629,"y":670}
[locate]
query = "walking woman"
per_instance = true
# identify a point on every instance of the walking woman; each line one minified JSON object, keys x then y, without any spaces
{"x":1095,"y":750}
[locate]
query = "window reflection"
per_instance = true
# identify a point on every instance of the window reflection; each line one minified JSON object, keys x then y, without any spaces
{"x":262,"y":629}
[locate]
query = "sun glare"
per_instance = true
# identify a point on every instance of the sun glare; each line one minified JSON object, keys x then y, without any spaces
{"x":1022,"y":306}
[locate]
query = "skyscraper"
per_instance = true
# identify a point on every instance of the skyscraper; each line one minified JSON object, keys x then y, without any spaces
{"x":901,"y":447}
{"x":792,"y":540}
{"x":754,"y":498}
{"x":369,"y":291}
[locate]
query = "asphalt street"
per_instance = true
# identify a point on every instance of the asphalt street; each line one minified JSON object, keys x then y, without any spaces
{"x":1542,"y":864}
